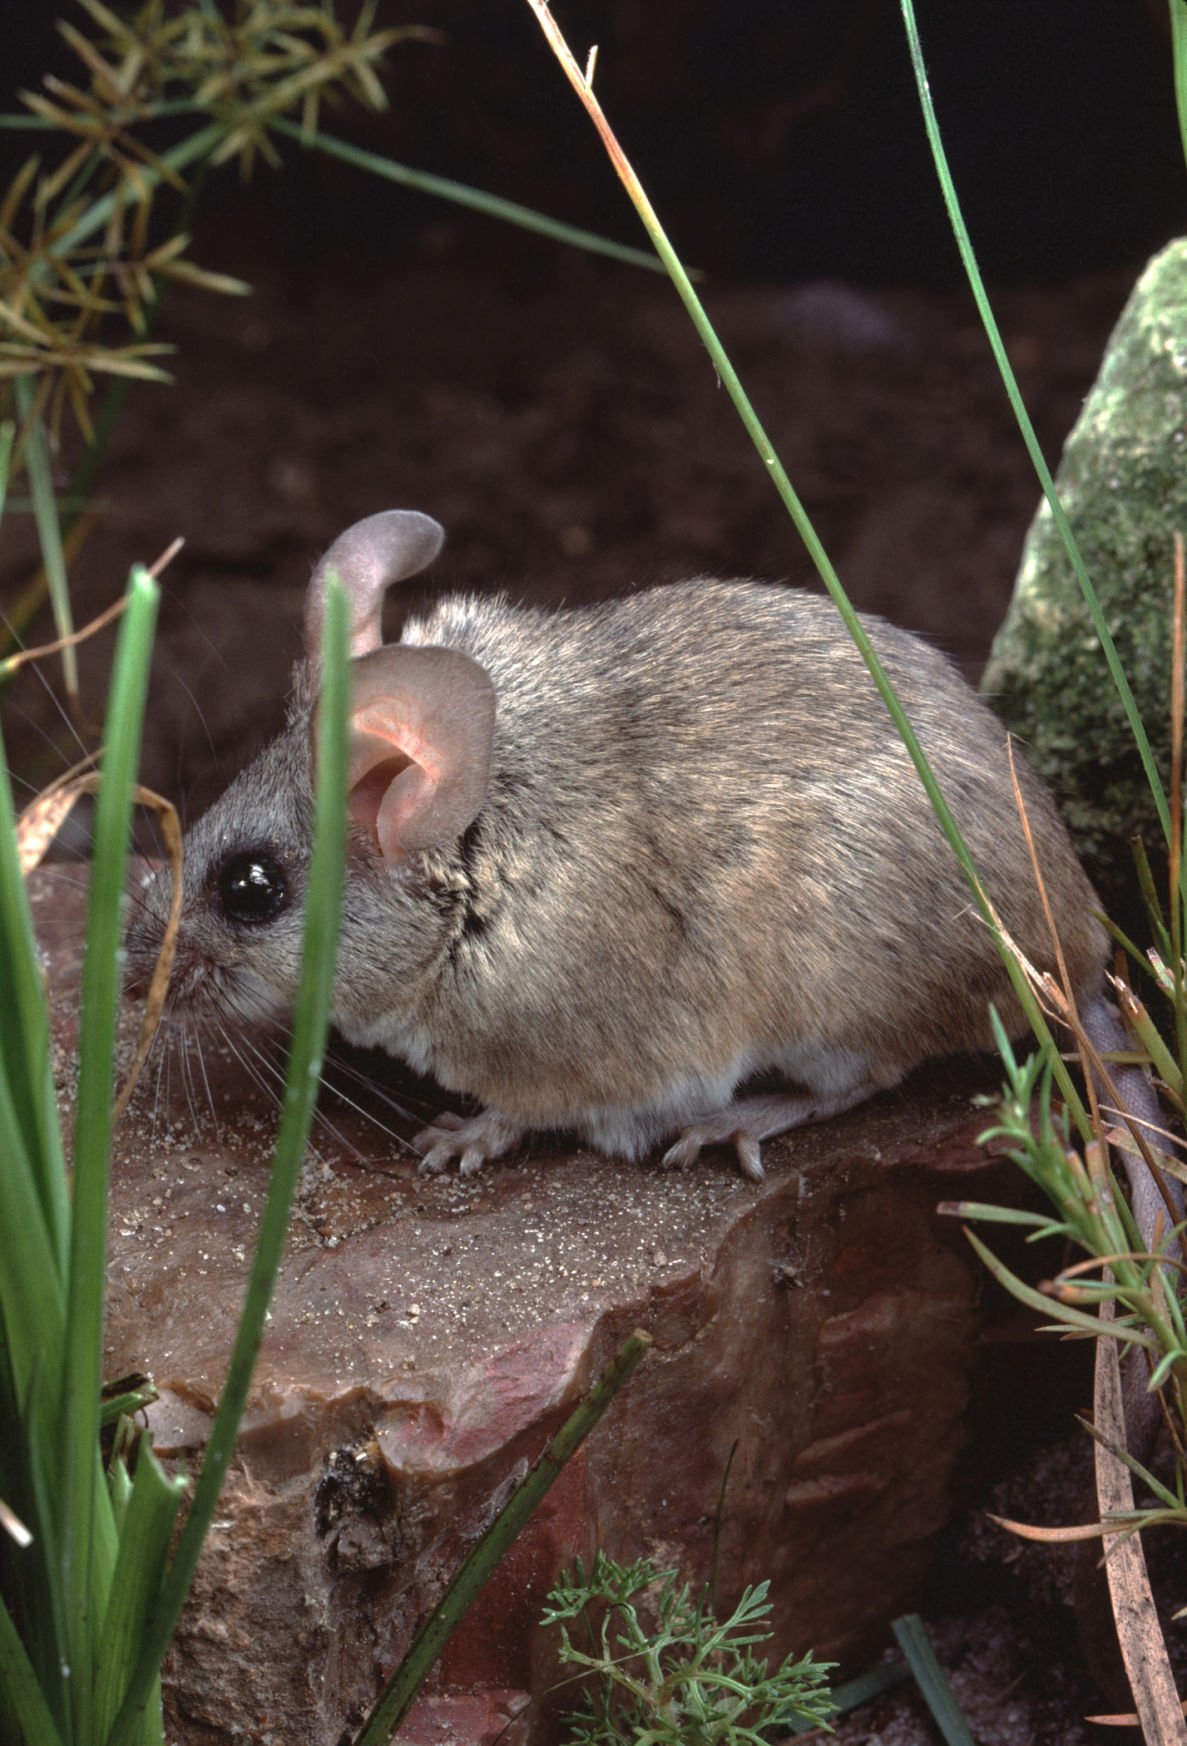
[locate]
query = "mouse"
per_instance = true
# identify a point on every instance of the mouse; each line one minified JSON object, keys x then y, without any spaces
{"x":608,"y":864}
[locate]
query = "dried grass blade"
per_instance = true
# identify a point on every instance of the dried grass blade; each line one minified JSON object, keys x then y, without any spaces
{"x":154,"y":1005}
{"x":1055,"y":1536}
{"x":1139,"y":1634}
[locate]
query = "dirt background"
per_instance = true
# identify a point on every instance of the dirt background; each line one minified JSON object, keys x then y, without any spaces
{"x":556,"y":412}
{"x":559,"y":416}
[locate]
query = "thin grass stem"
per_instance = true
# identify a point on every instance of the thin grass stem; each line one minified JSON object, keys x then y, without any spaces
{"x":310,"y":1025}
{"x":87,"y":1547}
{"x":1178,"y":24}
{"x":803,"y":524}
{"x":477,"y":1567}
{"x":476,"y":199}
{"x":49,"y":531}
{"x":1013,"y":394}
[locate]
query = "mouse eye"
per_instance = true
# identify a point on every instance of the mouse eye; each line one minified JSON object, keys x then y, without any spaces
{"x":252,"y":888}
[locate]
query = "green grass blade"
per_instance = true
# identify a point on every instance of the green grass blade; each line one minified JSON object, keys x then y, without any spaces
{"x":7,"y":438}
{"x":985,"y":1211}
{"x":49,"y":532}
{"x":119,"y":1487}
{"x":461,"y":194}
{"x":125,"y":1406}
{"x":31,"y":1159}
{"x":865,"y":1687}
{"x":22,"y":1695}
{"x":189,"y":151}
{"x":43,"y":1609}
{"x":87,"y":1533}
{"x":149,"y":1512}
{"x":24,"y":1018}
{"x":32,"y":1307}
{"x":1063,"y":1313}
{"x":730,"y":381}
{"x":1013,"y":394}
{"x":920,"y":1657}
{"x":34,"y":1219}
{"x":476,"y":1568}
{"x":310,"y":1024}
{"x":1178,"y":19}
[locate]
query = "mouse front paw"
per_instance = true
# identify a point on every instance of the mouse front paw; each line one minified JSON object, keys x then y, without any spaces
{"x":471,"y":1142}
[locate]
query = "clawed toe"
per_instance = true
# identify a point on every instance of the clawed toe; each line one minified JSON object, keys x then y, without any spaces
{"x":749,"y":1121}
{"x":684,"y":1154}
{"x":749,"y":1153}
{"x":436,"y":1143}
{"x":473,"y":1142}
{"x":692,"y":1142}
{"x":444,"y":1150}
{"x":437,"y":1157}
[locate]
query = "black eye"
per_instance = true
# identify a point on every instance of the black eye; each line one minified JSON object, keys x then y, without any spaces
{"x":252,"y":888}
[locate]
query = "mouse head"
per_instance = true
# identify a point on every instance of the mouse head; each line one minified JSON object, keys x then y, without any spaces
{"x":421,"y":724}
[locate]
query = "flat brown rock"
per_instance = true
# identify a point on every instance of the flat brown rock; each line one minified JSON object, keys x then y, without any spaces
{"x":428,"y":1335}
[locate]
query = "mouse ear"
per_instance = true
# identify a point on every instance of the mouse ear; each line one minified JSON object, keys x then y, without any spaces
{"x":421,"y":727}
{"x":368,"y":558}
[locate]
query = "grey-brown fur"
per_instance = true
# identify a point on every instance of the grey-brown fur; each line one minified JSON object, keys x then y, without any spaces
{"x":702,"y":852}
{"x":704,"y":838}
{"x":606,"y":864}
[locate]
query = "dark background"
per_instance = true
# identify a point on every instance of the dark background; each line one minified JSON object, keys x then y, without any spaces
{"x":556,"y":411}
{"x":780,"y":138}
{"x":559,"y":416}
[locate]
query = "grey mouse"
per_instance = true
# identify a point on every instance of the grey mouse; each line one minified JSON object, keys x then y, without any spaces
{"x":607,"y":864}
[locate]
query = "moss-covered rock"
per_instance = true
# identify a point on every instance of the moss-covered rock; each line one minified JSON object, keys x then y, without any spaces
{"x":1123,"y":484}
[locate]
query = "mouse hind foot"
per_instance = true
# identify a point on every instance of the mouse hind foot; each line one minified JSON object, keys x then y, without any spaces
{"x":744,"y":1125}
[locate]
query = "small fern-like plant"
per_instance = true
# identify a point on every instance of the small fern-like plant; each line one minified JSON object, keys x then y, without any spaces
{"x":677,"y":1676}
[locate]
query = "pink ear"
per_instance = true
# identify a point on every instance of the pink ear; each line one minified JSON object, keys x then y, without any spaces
{"x":421,"y":727}
{"x":367,"y":559}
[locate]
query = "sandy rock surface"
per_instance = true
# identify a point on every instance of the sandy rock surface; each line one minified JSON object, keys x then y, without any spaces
{"x":428,"y":1335}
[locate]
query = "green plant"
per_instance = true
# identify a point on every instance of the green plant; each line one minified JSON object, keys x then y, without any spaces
{"x":149,"y":71}
{"x":1146,"y":1311}
{"x":90,"y":1590}
{"x":1143,"y":1288}
{"x":1117,"y":1291}
{"x":676,"y":1674}
{"x":92,"y":1574}
{"x":86,"y":250}
{"x":396,"y":1698}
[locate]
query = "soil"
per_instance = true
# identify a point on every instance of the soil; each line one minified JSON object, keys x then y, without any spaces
{"x":559,"y":416}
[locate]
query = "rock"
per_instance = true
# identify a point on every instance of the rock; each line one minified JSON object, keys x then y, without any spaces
{"x":814,"y":1335}
{"x":1123,"y":485}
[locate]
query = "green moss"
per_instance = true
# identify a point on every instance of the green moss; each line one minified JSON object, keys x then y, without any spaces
{"x":1123,"y":483}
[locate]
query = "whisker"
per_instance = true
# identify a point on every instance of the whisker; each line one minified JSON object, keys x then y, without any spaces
{"x":409,"y":1111}
{"x":198,"y":711}
{"x":258,"y":1075}
{"x":268,"y":1074}
{"x":368,"y":1115}
{"x":163,"y":1072}
{"x":63,"y":713}
{"x":206,"y":1085}
{"x":320,"y":1117}
{"x":183,"y":1068}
